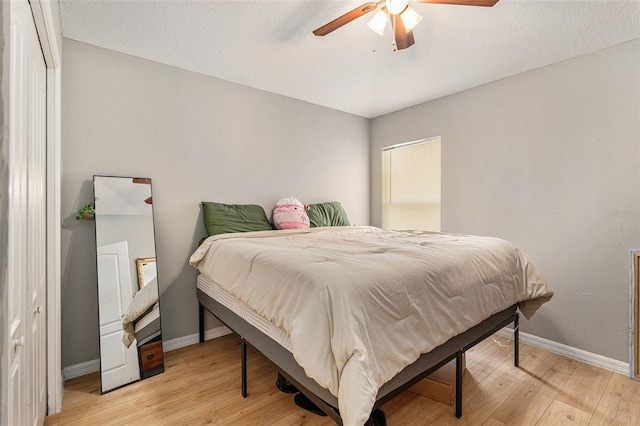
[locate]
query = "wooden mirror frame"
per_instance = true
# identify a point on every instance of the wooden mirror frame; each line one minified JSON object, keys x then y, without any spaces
{"x":140,"y":262}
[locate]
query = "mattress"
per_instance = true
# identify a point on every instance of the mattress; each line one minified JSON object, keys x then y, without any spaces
{"x":148,"y":327}
{"x":148,"y":319}
{"x":219,"y":294}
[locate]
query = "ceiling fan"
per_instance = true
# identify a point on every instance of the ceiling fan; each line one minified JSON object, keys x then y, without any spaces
{"x":403,"y":18}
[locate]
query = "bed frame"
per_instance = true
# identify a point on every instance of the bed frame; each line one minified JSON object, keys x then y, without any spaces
{"x":422,"y":367}
{"x":149,"y":332}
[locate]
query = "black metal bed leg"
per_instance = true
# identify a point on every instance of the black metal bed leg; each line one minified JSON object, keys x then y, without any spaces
{"x":516,"y":341}
{"x":201,"y":322}
{"x":243,"y":348}
{"x":459,"y":384}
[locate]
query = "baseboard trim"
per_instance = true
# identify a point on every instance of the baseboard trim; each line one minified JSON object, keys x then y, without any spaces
{"x":192,"y":339}
{"x":611,"y":364}
{"x":81,"y":369}
{"x":92,"y":366}
{"x":570,"y":352}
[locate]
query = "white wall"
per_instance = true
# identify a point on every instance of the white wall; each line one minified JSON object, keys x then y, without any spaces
{"x":199,"y":139}
{"x":550,"y":160}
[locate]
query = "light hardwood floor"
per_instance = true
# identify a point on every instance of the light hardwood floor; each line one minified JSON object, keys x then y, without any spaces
{"x":201,"y":385}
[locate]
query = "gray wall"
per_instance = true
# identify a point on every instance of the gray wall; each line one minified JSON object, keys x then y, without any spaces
{"x":199,"y":139}
{"x":550,"y":160}
{"x":547,"y":159}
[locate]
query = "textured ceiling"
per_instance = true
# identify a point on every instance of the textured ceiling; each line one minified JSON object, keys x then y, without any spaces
{"x":269,"y":45}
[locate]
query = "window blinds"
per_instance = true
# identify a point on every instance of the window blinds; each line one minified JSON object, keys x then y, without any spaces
{"x":411,"y":186}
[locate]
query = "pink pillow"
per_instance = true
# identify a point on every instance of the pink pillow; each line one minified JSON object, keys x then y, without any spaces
{"x":289,"y":213}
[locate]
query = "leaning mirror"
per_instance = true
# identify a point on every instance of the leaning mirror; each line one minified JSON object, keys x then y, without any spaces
{"x":129,"y":309}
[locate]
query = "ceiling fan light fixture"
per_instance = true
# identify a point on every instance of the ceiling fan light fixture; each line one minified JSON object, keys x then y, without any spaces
{"x":393,"y":9}
{"x":396,"y":7}
{"x":410,"y":18}
{"x":378,"y":22}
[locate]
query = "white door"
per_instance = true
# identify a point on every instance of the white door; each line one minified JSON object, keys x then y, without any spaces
{"x":36,"y":229}
{"x":119,"y":364}
{"x":26,"y":269}
{"x":17,"y":266}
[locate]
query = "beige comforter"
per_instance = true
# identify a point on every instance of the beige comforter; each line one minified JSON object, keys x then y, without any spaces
{"x":360,"y":303}
{"x":141,"y":303}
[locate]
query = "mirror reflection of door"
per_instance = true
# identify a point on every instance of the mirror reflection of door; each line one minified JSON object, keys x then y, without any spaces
{"x":119,"y":364}
{"x":130,"y":332}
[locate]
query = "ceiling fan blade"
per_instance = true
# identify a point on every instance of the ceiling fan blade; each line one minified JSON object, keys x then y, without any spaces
{"x":403,"y":38}
{"x":346,"y":18}
{"x":485,"y":3}
{"x":405,"y":42}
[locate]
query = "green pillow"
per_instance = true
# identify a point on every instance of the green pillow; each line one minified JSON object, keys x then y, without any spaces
{"x":327,"y":214}
{"x":223,"y":218}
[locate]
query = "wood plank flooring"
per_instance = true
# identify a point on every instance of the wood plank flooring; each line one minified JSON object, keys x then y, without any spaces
{"x":201,"y":385}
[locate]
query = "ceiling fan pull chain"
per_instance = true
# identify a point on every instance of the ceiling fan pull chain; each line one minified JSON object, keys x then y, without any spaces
{"x":393,"y":31}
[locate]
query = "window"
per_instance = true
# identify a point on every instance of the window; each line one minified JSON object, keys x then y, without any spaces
{"x":411,"y":185}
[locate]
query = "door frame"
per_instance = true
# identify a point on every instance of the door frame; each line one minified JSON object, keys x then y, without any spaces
{"x":634,"y":315}
{"x":47,"y":19}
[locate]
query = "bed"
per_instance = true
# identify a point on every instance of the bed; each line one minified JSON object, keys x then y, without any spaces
{"x":354,"y":315}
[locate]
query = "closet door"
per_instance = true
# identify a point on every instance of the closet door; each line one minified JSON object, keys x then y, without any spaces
{"x":27,"y":222}
{"x":17,"y":261}
{"x":36,"y":228}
